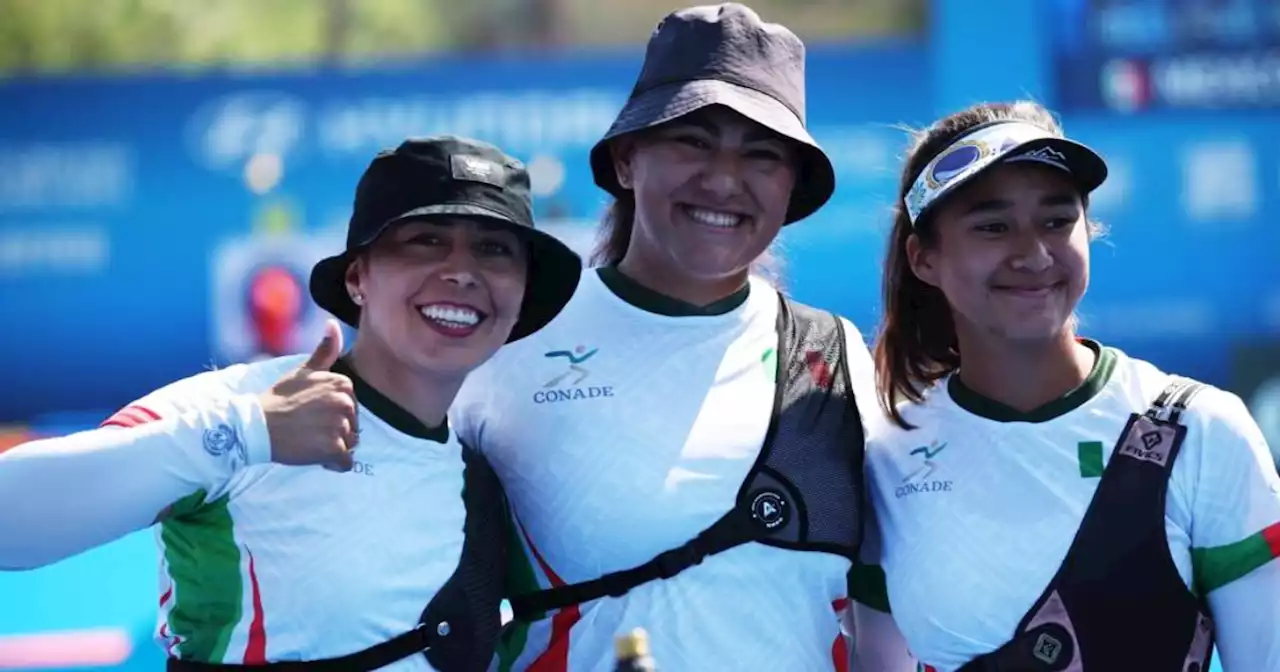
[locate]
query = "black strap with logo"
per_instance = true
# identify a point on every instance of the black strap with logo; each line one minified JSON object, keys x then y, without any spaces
{"x":812,"y":446}
{"x":458,"y":631}
{"x":1117,"y":603}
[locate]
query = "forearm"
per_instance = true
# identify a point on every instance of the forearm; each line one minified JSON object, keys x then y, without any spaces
{"x":65,"y":495}
{"x":1246,"y":614}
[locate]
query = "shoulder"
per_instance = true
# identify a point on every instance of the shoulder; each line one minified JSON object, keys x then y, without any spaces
{"x":1212,"y":409}
{"x":1223,"y":441}
{"x":853,"y":335}
{"x":253,"y":377}
{"x":193,"y":391}
{"x":1224,"y":448}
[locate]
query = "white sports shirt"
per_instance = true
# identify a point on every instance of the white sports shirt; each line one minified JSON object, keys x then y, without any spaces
{"x":978,"y":506}
{"x":259,"y":562}
{"x":620,"y":432}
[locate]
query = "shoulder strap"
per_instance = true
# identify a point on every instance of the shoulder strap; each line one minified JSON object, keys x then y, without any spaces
{"x":1174,"y":399}
{"x":733,"y":529}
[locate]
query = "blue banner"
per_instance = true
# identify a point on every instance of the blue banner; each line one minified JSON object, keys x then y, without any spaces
{"x":1138,"y":55}
{"x":151,"y":227}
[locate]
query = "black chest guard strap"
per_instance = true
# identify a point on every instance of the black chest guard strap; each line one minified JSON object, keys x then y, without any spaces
{"x":1117,"y":602}
{"x":804,"y":491}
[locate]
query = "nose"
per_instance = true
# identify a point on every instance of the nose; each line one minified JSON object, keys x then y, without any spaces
{"x":460,"y":268}
{"x":723,"y":175}
{"x":1032,"y":253}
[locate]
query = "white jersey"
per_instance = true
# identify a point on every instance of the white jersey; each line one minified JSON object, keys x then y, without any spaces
{"x":262,"y":562}
{"x":978,"y":506}
{"x":620,"y":433}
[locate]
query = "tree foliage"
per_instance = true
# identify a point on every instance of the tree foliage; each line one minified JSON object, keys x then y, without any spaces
{"x":51,"y":36}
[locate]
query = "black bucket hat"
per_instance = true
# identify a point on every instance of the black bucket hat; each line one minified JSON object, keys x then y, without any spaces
{"x":450,"y":176}
{"x":724,"y":55}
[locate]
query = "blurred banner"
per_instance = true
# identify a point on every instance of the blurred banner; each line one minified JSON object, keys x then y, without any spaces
{"x":170,"y":224}
{"x":1133,"y":55}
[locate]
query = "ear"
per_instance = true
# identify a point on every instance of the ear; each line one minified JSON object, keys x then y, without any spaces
{"x":923,"y":260}
{"x":621,"y":150}
{"x":355,"y":279}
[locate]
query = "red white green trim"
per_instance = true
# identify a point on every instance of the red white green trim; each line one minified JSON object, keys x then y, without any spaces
{"x":1217,"y":566}
{"x":208,"y":572}
{"x":556,"y":657}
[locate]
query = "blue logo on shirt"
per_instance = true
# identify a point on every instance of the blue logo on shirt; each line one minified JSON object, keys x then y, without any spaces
{"x":221,"y":440}
{"x":918,"y":481}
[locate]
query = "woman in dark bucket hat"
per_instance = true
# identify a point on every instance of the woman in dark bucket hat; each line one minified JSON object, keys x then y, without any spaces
{"x":682,"y":446}
{"x":318,"y":509}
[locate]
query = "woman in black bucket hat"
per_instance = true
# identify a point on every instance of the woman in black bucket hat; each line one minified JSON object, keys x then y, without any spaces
{"x":682,"y":446}
{"x":318,"y":509}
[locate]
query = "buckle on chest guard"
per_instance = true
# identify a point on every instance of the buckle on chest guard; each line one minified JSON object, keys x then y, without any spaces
{"x":423,"y":638}
{"x":677,"y":560}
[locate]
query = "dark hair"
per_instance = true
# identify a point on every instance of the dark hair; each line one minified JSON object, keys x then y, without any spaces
{"x":916,"y":345}
{"x":614,"y":237}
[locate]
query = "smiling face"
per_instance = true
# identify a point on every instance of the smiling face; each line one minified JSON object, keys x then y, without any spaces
{"x":1011,"y":254}
{"x":711,"y":191}
{"x":443,"y":294}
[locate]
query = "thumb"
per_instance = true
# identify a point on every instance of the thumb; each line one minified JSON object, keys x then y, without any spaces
{"x":329,"y":349}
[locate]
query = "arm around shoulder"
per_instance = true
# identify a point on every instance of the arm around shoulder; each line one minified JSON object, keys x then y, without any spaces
{"x":65,"y":495}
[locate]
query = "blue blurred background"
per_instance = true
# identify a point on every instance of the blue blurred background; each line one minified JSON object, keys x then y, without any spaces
{"x":169,"y":171}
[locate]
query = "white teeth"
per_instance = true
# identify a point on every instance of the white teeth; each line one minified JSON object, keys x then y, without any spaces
{"x":714,"y":218}
{"x":453,"y":316}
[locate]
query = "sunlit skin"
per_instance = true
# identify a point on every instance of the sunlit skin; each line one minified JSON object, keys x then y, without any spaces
{"x":1012,"y":257}
{"x":711,"y":191}
{"x":438,"y":298}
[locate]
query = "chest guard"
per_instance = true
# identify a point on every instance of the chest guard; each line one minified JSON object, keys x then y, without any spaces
{"x":805,"y":491}
{"x":458,"y":631}
{"x":1117,"y":603}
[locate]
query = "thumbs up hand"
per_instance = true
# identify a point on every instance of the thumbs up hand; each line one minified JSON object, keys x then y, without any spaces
{"x":311,"y":411}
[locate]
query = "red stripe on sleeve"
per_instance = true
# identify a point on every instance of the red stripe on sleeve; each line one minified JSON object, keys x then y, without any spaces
{"x":1272,"y":537}
{"x":131,"y":416}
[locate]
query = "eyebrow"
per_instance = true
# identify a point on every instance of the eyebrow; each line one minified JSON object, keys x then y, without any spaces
{"x":994,"y":204}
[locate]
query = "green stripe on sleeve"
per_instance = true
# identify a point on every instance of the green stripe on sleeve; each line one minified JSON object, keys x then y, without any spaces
{"x":1217,"y":566}
{"x":204,"y":564}
{"x":1090,"y":453}
{"x":867,"y":586}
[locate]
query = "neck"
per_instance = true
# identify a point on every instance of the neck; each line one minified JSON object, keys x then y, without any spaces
{"x":425,"y":396}
{"x":1024,"y":376}
{"x":664,"y":279}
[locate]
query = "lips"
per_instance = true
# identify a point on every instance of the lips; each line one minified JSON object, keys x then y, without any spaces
{"x":716,"y":219}
{"x":457,"y":320}
{"x":1030,"y":291}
